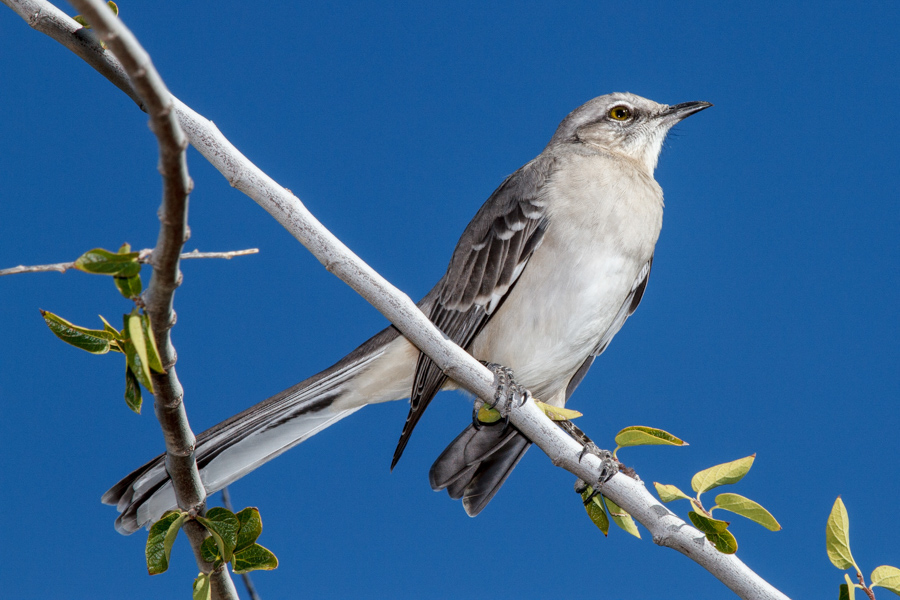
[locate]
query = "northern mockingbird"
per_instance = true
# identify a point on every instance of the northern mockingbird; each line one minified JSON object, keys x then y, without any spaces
{"x":541,"y":280}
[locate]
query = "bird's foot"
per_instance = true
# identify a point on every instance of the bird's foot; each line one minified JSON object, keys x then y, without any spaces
{"x":508,"y":394}
{"x":609,"y":466}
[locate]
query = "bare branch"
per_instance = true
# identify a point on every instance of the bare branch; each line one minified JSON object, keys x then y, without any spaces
{"x":146,"y":256}
{"x":667,"y":529}
{"x":159,"y":296}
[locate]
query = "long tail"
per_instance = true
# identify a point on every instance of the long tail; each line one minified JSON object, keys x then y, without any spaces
{"x":379,"y":370}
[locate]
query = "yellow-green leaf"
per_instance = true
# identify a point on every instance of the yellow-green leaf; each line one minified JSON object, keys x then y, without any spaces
{"x":254,"y":558}
{"x":848,"y":590}
{"x":595,"y":510}
{"x":638,"y":435}
{"x":113,"y":7}
{"x":667,"y":492}
{"x":723,"y":541}
{"x":556,"y":413}
{"x":487,"y":414}
{"x":95,"y":341}
{"x":622,"y":518}
{"x":159,"y":541}
{"x":202,"y":589}
{"x":730,"y":472}
{"x":251,"y":527}
{"x":129,"y":287}
{"x":136,"y":349}
{"x":887,"y":577}
{"x":209,"y":550}
{"x":837,"y":536}
{"x":747,"y":508}
{"x":153,"y":360}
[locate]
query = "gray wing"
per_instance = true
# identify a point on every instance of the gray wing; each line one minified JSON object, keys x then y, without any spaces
{"x":627,"y":309}
{"x":488,"y":260}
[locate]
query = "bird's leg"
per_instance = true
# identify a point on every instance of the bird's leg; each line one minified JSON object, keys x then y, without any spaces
{"x":609,"y":465}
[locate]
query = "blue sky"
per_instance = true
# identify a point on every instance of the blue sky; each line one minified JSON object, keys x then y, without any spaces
{"x":770,"y":324}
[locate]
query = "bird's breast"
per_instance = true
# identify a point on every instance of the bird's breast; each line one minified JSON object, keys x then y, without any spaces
{"x":603,"y":226}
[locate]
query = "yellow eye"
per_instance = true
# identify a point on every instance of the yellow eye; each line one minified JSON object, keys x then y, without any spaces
{"x":619,"y":113}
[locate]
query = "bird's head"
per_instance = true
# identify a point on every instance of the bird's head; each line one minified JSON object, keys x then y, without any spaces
{"x":624,"y":124}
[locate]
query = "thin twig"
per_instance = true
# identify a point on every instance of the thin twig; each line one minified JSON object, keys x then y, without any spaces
{"x":145,"y":257}
{"x":248,"y":583}
{"x":159,"y":296}
{"x":667,"y":529}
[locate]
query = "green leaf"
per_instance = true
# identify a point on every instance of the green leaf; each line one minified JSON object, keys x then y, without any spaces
{"x":209,"y":550}
{"x":159,"y":541}
{"x":95,"y":341}
{"x":667,"y":492}
{"x":132,"y":391}
{"x":596,"y":510}
{"x":81,"y":21}
{"x":104,"y":262}
{"x":730,"y":472}
{"x":152,"y":350}
{"x":254,"y":558}
{"x":251,"y":527}
{"x":851,"y":588}
{"x":202,"y":589}
{"x":845,"y":592}
{"x":488,"y":414}
{"x":887,"y":577}
{"x":557,"y":413}
{"x":223,"y":525}
{"x":130,"y":287}
{"x":707,"y":524}
{"x":716,"y":532}
{"x":837,"y":537}
{"x":747,"y":508}
{"x":621,"y":518}
{"x":638,"y":435}
{"x":136,"y":349}
{"x":115,"y":9}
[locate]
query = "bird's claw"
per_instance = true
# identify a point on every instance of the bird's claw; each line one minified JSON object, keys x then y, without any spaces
{"x":508,"y":393}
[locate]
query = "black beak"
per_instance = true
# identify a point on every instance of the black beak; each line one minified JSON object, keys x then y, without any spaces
{"x":684,"y":110}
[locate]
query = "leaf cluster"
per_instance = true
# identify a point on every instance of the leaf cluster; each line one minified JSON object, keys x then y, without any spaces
{"x":232,"y":540}
{"x":135,"y":340}
{"x":716,"y":530}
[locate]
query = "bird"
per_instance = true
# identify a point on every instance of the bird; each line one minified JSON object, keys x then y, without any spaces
{"x":542,"y":278}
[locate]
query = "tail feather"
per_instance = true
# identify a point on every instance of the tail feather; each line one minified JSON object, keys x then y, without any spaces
{"x":233,"y":448}
{"x":476,"y":464}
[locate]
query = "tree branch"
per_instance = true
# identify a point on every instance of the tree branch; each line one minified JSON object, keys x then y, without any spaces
{"x":667,"y":529}
{"x":146,"y":256}
{"x":159,"y":296}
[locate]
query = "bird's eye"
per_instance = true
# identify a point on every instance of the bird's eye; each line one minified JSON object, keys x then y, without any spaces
{"x":619,"y":113}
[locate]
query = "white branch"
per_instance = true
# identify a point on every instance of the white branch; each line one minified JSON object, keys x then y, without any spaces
{"x":667,"y":529}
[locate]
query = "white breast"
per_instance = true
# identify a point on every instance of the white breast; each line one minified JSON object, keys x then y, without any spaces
{"x":604,"y":220}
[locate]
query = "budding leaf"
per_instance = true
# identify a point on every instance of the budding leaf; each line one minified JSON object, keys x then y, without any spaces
{"x":223,"y":525}
{"x":887,"y":577}
{"x":837,"y":536}
{"x":556,"y":413}
{"x":730,"y":472}
{"x":159,"y":541}
{"x":850,"y":588}
{"x":253,"y":558}
{"x":595,"y":510}
{"x":103,"y":262}
{"x":153,"y":359}
{"x":202,"y":589}
{"x":667,"y":492}
{"x":250,"y":528}
{"x":622,"y":518}
{"x":132,"y":391}
{"x":638,"y":435}
{"x":747,"y":508}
